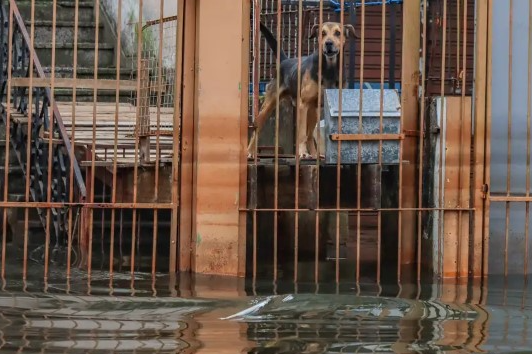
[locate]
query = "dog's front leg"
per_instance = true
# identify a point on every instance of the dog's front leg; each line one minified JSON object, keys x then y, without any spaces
{"x":302,"y":130}
{"x":312,"y":120}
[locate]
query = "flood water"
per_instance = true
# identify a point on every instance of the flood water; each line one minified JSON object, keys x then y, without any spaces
{"x":203,"y":314}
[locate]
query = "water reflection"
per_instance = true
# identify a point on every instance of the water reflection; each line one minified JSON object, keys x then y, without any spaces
{"x":217,"y":315}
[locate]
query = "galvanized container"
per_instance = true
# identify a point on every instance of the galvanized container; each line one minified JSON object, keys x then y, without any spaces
{"x":371,"y":112}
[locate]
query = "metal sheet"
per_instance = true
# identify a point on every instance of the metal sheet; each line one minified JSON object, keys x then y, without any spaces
{"x":370,"y":104}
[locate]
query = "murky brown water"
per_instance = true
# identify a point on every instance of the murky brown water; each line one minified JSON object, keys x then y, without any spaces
{"x":216,"y":315}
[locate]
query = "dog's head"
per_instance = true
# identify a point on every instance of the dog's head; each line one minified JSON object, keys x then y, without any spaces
{"x":331,"y":36}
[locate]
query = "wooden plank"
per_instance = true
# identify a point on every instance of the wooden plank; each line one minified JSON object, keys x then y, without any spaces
{"x":219,"y":140}
{"x":455,"y":260}
{"x":125,"y":85}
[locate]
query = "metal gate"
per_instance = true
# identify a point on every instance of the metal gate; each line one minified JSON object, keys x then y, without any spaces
{"x":92,"y":134}
{"x":508,"y":109}
{"x":396,"y":193}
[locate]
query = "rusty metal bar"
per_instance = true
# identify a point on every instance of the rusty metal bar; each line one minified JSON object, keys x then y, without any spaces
{"x":420,"y":142}
{"x":177,"y":116}
{"x":509,"y":137}
{"x":93,"y":149}
{"x":115,"y":141}
{"x":256,"y":77}
{"x":487,"y":158}
{"x":359,"y":164}
{"x":299,"y":130}
{"x":28,"y":149}
{"x":73,"y":140}
{"x":368,"y":210}
{"x":366,"y":137}
{"x":277,"y":113}
{"x":381,"y":116}
{"x":528,"y":136}
{"x":50,"y":144}
{"x":318,"y":152}
{"x":339,"y":146}
{"x":8,"y":112}
{"x":137,"y":142}
{"x":157,"y":139}
{"x":460,"y":157}
{"x":442,"y":95}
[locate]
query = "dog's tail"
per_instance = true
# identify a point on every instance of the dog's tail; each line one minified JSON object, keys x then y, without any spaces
{"x":272,"y":41}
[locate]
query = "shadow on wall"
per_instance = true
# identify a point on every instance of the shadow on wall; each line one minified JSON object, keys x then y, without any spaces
{"x":130,"y":17}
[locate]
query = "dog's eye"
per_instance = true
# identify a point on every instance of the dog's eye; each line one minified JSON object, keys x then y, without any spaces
{"x":323,"y":33}
{"x":337,"y":33}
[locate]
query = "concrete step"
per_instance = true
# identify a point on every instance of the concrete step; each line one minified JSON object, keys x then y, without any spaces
{"x":86,"y":52}
{"x":87,"y":95}
{"x":107,"y":73}
{"x":65,"y":10}
{"x":64,"y":32}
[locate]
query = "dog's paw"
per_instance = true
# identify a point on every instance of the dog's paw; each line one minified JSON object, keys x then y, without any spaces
{"x":305,"y":156}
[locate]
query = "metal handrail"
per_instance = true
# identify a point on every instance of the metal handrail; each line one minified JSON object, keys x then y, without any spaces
{"x":59,"y":120}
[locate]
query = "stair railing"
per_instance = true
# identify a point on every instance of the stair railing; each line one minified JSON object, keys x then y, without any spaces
{"x":63,"y":156}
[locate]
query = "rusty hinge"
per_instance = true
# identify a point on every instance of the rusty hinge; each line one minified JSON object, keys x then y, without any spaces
{"x":484,"y":190}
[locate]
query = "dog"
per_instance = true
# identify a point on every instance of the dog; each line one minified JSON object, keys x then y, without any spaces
{"x":333,"y":41}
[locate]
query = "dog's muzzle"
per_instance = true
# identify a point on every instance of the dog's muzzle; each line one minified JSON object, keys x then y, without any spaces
{"x":330,"y":50}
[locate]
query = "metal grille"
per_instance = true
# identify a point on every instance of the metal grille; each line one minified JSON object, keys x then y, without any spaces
{"x":379,"y":193}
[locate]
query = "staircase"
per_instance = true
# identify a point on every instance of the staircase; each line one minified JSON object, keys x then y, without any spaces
{"x":86,"y":47}
{"x":19,"y":129}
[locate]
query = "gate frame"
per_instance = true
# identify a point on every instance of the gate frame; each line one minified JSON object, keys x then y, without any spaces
{"x":482,"y":135}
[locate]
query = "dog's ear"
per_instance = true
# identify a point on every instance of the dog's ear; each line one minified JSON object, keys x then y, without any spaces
{"x":314,"y":31}
{"x":350,"y":30}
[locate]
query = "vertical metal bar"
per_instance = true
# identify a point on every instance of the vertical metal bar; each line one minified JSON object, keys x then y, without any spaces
{"x":381,"y":115}
{"x":318,"y":152}
{"x":256,"y":78}
{"x":339,"y":147}
{"x":93,"y":150}
{"x":28,"y":146}
{"x":50,"y":143}
{"x":136,"y":152}
{"x":8,"y":113}
{"x":460,"y":157}
{"x":480,"y":163}
{"x":277,"y":112}
{"x":509,"y":137}
{"x":487,"y":158}
{"x":353,"y":45}
{"x":442,"y":137}
{"x":421,"y":135}
{"x":175,"y":133}
{"x":528,"y":124}
{"x":359,"y":164}
{"x":391,"y":57}
{"x":157,"y":136}
{"x":115,"y":140}
{"x":298,"y":127}
{"x":73,"y":139}
{"x":458,"y":39}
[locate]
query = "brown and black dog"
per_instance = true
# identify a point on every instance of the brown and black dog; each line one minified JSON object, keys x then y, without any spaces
{"x":333,"y":40}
